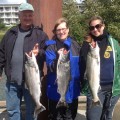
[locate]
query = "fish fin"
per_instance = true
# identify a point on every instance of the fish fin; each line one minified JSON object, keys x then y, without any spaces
{"x":26,"y":87}
{"x":38,"y":110}
{"x":85,"y":75}
{"x":99,"y":87}
{"x":62,"y":104}
{"x":57,"y":90}
{"x":55,"y":81}
{"x":36,"y":69}
{"x":27,"y":54}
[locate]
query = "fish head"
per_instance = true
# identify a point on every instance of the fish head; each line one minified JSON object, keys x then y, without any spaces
{"x":30,"y":59}
{"x":94,"y":50}
{"x":64,"y":55}
{"x":94,"y":53}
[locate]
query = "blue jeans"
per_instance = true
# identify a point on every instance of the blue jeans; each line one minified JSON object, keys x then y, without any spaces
{"x":105,"y":110}
{"x":14,"y":95}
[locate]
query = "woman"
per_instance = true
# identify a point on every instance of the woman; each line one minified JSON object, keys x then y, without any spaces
{"x":109,"y":90}
{"x":62,"y":40}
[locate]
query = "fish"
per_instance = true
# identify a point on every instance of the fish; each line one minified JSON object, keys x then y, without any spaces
{"x":63,"y":77}
{"x":33,"y":82}
{"x":93,"y":72}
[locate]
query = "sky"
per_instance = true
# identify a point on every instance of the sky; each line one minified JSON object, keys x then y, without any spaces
{"x":79,"y":1}
{"x":20,"y":1}
{"x":12,"y":1}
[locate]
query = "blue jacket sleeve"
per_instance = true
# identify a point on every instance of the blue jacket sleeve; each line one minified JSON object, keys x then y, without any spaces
{"x":51,"y":58}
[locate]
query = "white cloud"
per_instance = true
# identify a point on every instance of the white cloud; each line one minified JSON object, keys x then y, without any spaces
{"x":79,"y":1}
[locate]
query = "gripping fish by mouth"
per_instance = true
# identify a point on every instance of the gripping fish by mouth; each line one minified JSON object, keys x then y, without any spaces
{"x":63,"y":77}
{"x":33,"y":82}
{"x":93,"y":72}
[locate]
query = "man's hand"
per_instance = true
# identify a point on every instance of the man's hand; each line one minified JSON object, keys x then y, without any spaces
{"x":35,"y":50}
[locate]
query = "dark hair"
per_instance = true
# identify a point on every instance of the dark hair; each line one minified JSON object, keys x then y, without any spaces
{"x":58,"y":22}
{"x":96,"y":18}
{"x":88,"y":38}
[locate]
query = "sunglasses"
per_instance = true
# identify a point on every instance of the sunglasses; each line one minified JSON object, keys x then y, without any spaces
{"x":98,"y":26}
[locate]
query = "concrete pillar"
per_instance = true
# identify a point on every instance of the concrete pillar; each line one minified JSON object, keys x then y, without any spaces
{"x":46,"y":13}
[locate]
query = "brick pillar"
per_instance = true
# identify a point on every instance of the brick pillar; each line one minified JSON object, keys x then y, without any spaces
{"x":46,"y":13}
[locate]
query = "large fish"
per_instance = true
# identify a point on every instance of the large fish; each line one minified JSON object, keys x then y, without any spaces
{"x":93,"y":72}
{"x":33,"y":82}
{"x":63,"y":76}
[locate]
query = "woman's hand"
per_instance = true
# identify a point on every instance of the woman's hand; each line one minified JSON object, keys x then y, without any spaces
{"x":62,"y":50}
{"x":93,"y":44}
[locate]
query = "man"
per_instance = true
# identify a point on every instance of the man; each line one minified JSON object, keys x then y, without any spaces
{"x":109,"y":72}
{"x":19,"y":40}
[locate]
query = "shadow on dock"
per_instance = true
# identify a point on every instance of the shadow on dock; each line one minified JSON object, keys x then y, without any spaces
{"x":3,"y":115}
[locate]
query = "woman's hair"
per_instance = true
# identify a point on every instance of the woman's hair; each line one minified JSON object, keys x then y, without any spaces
{"x":96,"y":18}
{"x":88,"y":38}
{"x":58,"y":22}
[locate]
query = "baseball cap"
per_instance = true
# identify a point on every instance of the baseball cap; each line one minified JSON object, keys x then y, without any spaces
{"x":25,"y":6}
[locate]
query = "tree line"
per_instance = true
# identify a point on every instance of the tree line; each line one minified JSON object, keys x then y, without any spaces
{"x":109,"y":10}
{"x":78,"y":18}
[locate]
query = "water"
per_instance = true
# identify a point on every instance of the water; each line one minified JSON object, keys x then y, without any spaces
{"x":2,"y":88}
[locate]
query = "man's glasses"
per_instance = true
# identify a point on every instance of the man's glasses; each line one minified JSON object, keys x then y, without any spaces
{"x":98,"y":26}
{"x":62,"y":29}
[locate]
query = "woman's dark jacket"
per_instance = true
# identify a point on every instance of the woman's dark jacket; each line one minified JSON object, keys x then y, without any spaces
{"x":116,"y":59}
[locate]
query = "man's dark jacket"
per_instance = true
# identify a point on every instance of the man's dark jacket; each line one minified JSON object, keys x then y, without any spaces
{"x":36,"y":35}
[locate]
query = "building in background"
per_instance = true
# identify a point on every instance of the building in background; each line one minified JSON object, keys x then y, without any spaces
{"x":77,"y":2}
{"x":9,"y":11}
{"x":79,"y":5}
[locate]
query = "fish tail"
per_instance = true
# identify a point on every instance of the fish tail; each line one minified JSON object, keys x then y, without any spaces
{"x":62,"y":104}
{"x":38,"y":110}
{"x":95,"y":103}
